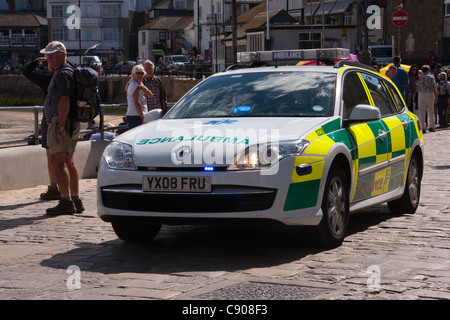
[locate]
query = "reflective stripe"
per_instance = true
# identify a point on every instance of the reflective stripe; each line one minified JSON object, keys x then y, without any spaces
{"x":369,"y":96}
{"x":320,"y":141}
{"x":365,"y":140}
{"x":397,"y":133}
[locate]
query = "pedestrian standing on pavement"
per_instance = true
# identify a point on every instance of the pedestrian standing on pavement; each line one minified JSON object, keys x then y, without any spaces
{"x":401,"y":78}
{"x":136,"y":97}
{"x":411,"y":89}
{"x":427,"y":97}
{"x":63,"y":132}
{"x":43,"y":80}
{"x":443,"y":90}
{"x":158,"y":100}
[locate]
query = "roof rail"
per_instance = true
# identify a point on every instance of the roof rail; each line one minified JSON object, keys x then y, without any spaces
{"x":342,"y":63}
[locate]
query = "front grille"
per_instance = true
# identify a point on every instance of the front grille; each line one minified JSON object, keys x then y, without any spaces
{"x":217,"y":201}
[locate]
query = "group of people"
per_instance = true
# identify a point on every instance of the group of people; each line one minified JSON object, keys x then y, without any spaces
{"x":145,"y":92}
{"x":60,"y":133}
{"x":8,"y":68}
{"x":422,"y":92}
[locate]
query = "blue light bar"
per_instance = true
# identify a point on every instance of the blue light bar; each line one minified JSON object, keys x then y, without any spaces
{"x":242,"y":109}
{"x":208,"y":168}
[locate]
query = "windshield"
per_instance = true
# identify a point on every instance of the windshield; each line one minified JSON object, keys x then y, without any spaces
{"x":382,"y":52}
{"x":180,"y":59}
{"x":261,"y":94}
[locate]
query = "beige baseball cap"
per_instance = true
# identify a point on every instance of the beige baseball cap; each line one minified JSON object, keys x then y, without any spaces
{"x":53,"y":47}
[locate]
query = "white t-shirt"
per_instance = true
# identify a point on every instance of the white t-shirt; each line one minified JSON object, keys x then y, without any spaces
{"x":131,"y":109}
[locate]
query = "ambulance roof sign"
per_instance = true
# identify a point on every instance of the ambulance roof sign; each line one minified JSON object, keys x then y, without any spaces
{"x":399,"y":18}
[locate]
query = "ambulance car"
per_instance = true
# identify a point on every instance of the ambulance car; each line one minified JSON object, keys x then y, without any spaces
{"x":275,"y":144}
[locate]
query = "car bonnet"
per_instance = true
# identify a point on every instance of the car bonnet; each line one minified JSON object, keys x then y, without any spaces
{"x":208,"y":141}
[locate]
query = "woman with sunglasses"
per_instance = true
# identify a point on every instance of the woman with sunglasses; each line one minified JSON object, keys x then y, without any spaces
{"x":411,"y":89}
{"x":137,"y":95}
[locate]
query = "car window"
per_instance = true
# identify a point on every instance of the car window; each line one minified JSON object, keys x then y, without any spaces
{"x":394,"y":96}
{"x":379,"y":95}
{"x":183,"y":59}
{"x":260,"y":94}
{"x":353,"y":93}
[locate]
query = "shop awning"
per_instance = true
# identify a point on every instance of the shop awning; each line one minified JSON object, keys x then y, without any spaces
{"x":340,"y":7}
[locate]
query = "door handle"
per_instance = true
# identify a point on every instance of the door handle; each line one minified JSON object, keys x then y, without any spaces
{"x":382,"y":135}
{"x":405,"y":123}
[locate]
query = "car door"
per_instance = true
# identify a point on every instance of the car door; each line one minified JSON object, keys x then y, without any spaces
{"x":369,"y":164}
{"x":395,"y":131}
{"x":403,"y":137}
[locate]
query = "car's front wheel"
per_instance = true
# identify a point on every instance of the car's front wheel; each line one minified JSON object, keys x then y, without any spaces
{"x":335,"y":207}
{"x":134,"y":232}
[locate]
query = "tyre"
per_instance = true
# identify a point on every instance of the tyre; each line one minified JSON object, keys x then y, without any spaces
{"x":133,"y":232}
{"x":409,"y":201}
{"x":335,"y":207}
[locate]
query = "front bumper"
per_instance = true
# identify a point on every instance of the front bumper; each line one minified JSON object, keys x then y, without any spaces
{"x":235,"y":196}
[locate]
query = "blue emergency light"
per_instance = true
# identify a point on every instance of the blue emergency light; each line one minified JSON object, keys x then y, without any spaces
{"x":242,"y":109}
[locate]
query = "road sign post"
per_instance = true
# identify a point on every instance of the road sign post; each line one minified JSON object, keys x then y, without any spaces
{"x":399,"y":19}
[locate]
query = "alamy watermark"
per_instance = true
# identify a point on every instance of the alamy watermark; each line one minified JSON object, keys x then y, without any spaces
{"x":73,"y":282}
{"x":374,"y":20}
{"x":73,"y":21}
{"x":374,"y":279}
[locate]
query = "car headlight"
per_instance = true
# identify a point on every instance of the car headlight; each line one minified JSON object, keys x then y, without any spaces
{"x":119,"y":155}
{"x":264,"y":156}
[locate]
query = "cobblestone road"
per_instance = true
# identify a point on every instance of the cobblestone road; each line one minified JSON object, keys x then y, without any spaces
{"x":79,"y":257}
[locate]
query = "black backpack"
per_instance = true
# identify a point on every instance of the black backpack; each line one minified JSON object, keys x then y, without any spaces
{"x":85,"y":99}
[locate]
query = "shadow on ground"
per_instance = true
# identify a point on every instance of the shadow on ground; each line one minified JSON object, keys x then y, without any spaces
{"x":179,"y":249}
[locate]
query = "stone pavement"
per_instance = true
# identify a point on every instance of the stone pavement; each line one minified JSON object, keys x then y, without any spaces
{"x":79,"y":257}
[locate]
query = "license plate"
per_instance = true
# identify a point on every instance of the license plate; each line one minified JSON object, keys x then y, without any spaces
{"x":176,"y":183}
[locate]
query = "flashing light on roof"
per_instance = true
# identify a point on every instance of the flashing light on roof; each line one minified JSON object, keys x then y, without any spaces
{"x":293,"y":55}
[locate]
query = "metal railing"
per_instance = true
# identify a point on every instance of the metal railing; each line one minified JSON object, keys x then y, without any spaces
{"x":36,"y":137}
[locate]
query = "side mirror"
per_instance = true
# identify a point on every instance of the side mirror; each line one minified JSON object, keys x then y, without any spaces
{"x":153,"y":115}
{"x":364,"y":113}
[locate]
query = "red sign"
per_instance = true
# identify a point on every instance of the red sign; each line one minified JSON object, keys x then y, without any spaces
{"x":399,"y":18}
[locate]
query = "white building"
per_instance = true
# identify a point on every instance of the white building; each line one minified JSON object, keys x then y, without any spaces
{"x":210,"y":24}
{"x":109,"y":26}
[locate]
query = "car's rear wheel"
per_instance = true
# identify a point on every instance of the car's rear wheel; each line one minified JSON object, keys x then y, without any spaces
{"x":409,"y":201}
{"x":133,"y":232}
{"x":335,"y":207}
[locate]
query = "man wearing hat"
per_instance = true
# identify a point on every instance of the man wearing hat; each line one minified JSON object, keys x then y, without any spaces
{"x":62,"y":136}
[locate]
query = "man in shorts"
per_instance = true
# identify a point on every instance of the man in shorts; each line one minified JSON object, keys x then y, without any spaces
{"x":63,"y":132}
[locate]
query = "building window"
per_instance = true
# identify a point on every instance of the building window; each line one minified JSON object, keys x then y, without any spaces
{"x":219,"y":18}
{"x":89,"y":12}
{"x":347,"y":20}
{"x":309,"y":40}
{"x":447,"y":7}
{"x":144,"y":39}
{"x":58,"y":34}
{"x":57,"y":11}
{"x":179,"y":4}
{"x":110,"y":11}
{"x":255,"y":41}
{"x":111,"y":34}
{"x":88,"y":34}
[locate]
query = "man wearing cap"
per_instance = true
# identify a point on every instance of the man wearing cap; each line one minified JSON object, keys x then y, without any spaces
{"x":62,"y":136}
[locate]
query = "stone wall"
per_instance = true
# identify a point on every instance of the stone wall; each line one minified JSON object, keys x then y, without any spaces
{"x":112,"y":88}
